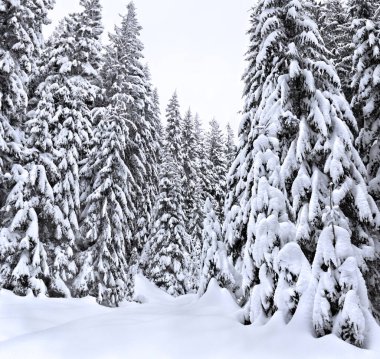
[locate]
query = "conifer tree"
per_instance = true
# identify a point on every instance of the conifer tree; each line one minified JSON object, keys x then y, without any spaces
{"x":150,"y":188}
{"x":217,"y":171}
{"x":124,"y":73}
{"x":356,"y":12}
{"x":291,"y":85}
{"x":230,"y":146}
{"x":21,"y":43}
{"x":238,"y":185}
{"x":214,"y":261}
{"x":174,"y":130}
{"x":341,"y":301}
{"x":167,"y":250}
{"x":322,"y":158}
{"x":106,"y":229}
{"x":23,"y":259}
{"x":60,"y":124}
{"x":21,"y":35}
{"x":365,"y":104}
{"x":203,"y":163}
{"x":268,"y":223}
{"x":193,"y":204}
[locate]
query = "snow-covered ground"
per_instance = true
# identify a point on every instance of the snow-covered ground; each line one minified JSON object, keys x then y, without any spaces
{"x":160,"y":327}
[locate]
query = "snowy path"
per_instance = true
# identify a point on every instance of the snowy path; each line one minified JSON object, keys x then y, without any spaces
{"x":162,"y":327}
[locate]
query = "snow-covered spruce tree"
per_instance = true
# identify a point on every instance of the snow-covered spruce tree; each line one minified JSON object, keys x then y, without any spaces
{"x":22,"y":255}
{"x":216,"y":154}
{"x":365,"y":104}
{"x":334,"y":20}
{"x":269,"y":225}
{"x":203,"y":163}
{"x":192,"y":195}
{"x":262,"y":206}
{"x":157,"y":112}
{"x":289,"y":80}
{"x":319,"y":147}
{"x":167,"y":250}
{"x":62,"y":110}
{"x":173,"y":134}
{"x":24,"y":264}
{"x":341,"y":302}
{"x":214,"y":261}
{"x":21,"y":42}
{"x":344,"y":32}
{"x":124,"y":73}
{"x":331,"y":17}
{"x":238,"y":195}
{"x":107,"y":218}
{"x":335,"y":24}
{"x":230,"y":146}
{"x":150,"y":188}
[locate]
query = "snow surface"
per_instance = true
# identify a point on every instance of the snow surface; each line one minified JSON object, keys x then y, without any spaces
{"x":159,"y":327}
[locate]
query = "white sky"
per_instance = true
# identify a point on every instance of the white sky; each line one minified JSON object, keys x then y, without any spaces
{"x":194,"y":46}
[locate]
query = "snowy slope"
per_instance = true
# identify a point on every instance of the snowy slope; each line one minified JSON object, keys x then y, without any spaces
{"x":160,"y":327}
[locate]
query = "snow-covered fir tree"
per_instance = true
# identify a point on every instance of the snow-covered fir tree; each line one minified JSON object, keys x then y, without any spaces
{"x":106,"y":228}
{"x":24,"y":259}
{"x":365,"y":104}
{"x":217,"y":169}
{"x":269,"y":224}
{"x":262,"y":206}
{"x":321,"y":156}
{"x":21,"y":43}
{"x":24,"y":190}
{"x":230,"y":146}
{"x":150,"y":188}
{"x":341,"y":302}
{"x":192,"y":194}
{"x":203,"y":163}
{"x":124,"y":73}
{"x":238,"y":188}
{"x":353,"y":12}
{"x":173,"y":134}
{"x":291,"y":85}
{"x":60,"y":124}
{"x":214,"y":261}
{"x":167,"y":251}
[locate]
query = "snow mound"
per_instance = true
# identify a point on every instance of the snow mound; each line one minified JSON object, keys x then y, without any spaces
{"x":220,"y":297}
{"x":147,"y":292}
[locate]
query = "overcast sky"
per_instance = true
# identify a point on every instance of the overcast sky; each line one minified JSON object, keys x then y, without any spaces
{"x":193,"y":46}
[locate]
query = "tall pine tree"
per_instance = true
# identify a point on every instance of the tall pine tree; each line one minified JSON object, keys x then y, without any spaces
{"x":167,"y":250}
{"x":125,"y":74}
{"x":217,"y":169}
{"x":23,"y":258}
{"x":192,"y":194}
{"x":106,"y":229}
{"x":62,"y":111}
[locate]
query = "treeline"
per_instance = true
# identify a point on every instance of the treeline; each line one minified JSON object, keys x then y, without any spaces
{"x":93,"y":187}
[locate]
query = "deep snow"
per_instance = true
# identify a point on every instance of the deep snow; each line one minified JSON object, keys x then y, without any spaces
{"x":159,"y":327}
